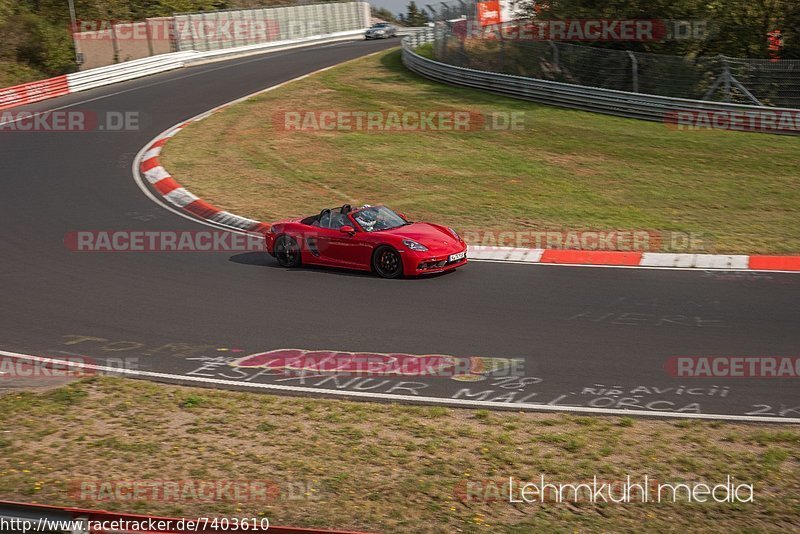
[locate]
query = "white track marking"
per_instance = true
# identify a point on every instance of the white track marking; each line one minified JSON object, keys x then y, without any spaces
{"x":647,"y":267}
{"x":357,"y":394}
{"x":181,"y":197}
{"x":152,"y":153}
{"x":463,"y":403}
{"x":156,"y":174}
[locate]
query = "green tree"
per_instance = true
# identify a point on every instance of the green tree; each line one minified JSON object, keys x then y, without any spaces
{"x":735,"y":27}
{"x":415,"y":17}
{"x":383,"y":14}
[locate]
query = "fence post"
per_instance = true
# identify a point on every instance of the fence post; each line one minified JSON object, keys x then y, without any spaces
{"x":174,"y":41}
{"x":634,"y":71}
{"x":219,"y":34}
{"x":726,"y":72}
{"x":205,"y":31}
{"x":554,"y":48}
{"x":502,"y":55}
{"x":191,"y":31}
{"x":464,"y":58}
{"x":149,"y":33}
{"x":114,"y":43}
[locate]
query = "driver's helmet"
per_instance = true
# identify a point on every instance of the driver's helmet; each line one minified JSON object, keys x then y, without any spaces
{"x":367,"y":216}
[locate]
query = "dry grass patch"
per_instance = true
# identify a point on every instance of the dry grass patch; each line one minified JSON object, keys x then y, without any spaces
{"x":567,"y":169}
{"x":381,"y":467}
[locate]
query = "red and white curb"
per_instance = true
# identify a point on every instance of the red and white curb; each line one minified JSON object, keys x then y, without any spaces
{"x":726,"y":262}
{"x":148,"y":169}
{"x":156,"y":182}
{"x":171,"y":191}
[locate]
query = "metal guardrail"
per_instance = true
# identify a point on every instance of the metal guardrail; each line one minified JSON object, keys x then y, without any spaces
{"x":213,"y":55}
{"x":130,"y":70}
{"x":120,"y":72}
{"x":412,"y":30}
{"x":608,"y":101}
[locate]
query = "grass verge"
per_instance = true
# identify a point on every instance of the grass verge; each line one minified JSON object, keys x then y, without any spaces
{"x":12,"y":73}
{"x":565,"y":170}
{"x":382,"y":467}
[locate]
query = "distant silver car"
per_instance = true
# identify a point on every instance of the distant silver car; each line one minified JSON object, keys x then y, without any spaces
{"x":381,"y":30}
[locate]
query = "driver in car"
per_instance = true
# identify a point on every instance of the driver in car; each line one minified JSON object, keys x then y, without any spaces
{"x":367,"y":219}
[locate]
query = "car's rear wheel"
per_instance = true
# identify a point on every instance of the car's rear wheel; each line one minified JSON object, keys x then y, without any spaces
{"x":287,"y":251}
{"x":386,"y":262}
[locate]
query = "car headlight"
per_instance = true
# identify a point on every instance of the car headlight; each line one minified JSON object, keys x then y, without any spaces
{"x":455,"y":234}
{"x":413,"y":245}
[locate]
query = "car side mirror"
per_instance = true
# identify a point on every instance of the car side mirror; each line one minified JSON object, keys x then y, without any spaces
{"x":347,"y":230}
{"x":403,"y":215}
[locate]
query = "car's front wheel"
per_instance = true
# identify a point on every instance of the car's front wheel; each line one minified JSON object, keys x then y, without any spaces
{"x":287,"y":251}
{"x":386,"y":262}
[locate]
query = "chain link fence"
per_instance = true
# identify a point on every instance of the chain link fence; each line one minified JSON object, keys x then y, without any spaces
{"x":102,"y":43}
{"x":722,"y":79}
{"x":450,"y":11}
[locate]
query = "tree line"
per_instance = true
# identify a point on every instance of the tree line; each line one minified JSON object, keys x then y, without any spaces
{"x":736,"y":28}
{"x":35,"y":41}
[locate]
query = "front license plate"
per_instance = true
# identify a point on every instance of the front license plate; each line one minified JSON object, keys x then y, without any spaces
{"x":457,"y":257}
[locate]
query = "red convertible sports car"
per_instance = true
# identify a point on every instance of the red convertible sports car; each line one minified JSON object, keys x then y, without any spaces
{"x":369,"y":238}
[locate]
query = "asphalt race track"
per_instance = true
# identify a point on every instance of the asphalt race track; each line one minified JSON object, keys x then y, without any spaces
{"x":586,"y":337}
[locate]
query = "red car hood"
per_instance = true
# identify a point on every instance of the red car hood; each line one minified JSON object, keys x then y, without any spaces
{"x":436,"y":238}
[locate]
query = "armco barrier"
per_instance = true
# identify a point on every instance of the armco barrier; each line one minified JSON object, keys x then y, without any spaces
{"x":130,"y":70}
{"x":121,"y":72}
{"x":412,"y":30}
{"x":212,"y":55}
{"x":608,"y":101}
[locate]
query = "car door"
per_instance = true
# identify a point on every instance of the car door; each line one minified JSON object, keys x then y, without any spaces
{"x":340,"y":248}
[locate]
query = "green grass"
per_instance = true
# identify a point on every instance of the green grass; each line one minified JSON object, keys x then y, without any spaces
{"x":12,"y":73}
{"x":382,"y":467}
{"x":566,"y":170}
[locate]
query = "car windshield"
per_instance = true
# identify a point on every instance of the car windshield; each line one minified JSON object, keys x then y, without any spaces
{"x":377,"y":218}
